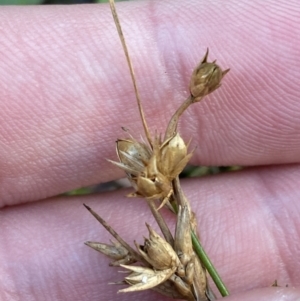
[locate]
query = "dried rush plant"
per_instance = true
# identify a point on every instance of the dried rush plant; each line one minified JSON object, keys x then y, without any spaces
{"x":173,"y":265}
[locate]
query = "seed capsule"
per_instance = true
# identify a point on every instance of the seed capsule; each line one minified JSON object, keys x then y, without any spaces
{"x":143,"y":278}
{"x":206,"y":78}
{"x":114,"y":251}
{"x":133,"y":156}
{"x":158,"y":252}
{"x":173,"y":157}
{"x":132,"y":153}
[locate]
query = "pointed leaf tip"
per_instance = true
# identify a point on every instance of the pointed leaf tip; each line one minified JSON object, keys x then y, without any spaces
{"x":87,"y":207}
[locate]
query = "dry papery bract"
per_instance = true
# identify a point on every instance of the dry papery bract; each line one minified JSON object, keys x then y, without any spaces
{"x":167,"y":264}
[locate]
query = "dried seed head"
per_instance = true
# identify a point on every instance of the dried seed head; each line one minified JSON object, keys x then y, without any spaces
{"x":158,"y":252}
{"x":140,"y":164}
{"x":183,"y":288}
{"x":133,"y":153}
{"x":133,"y":156}
{"x":166,"y":163}
{"x":183,"y":242}
{"x":115,"y":251}
{"x":144,"y":278}
{"x":206,"y":78}
{"x":154,"y":187}
{"x":173,"y":157}
{"x":151,"y":171}
{"x":135,"y":277}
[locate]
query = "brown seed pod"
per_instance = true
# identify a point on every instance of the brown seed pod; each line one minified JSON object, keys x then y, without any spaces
{"x":183,"y":242}
{"x":206,"y":78}
{"x":134,"y":156}
{"x":151,"y":172}
{"x":144,"y":278}
{"x":194,"y":274}
{"x":173,"y":157}
{"x":162,"y":258}
{"x":114,"y":251}
{"x":158,"y":252}
{"x":156,"y":186}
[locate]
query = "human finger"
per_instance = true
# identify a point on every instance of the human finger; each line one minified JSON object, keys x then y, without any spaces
{"x":66,"y":90}
{"x":248,"y":222}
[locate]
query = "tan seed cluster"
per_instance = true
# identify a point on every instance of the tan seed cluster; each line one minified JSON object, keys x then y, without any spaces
{"x":167,"y":264}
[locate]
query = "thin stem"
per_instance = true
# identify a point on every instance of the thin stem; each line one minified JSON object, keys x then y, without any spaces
{"x":179,"y":195}
{"x":120,"y":32}
{"x":172,"y":126}
{"x":209,"y":266}
{"x":161,"y":223}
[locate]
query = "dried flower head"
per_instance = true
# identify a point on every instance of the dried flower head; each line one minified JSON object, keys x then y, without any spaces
{"x":173,"y":157}
{"x":144,"y":278}
{"x":206,"y":78}
{"x":158,"y":252}
{"x":151,"y":171}
{"x":133,"y":155}
{"x":162,"y":259}
{"x":169,"y":265}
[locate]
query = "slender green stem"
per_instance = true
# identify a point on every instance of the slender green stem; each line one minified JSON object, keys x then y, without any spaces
{"x":209,"y":266}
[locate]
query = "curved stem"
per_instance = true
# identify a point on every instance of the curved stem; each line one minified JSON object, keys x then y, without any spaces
{"x":172,"y":126}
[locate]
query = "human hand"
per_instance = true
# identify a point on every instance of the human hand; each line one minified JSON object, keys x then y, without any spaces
{"x":66,"y":92}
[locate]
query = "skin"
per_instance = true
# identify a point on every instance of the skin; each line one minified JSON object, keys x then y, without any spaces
{"x":66,"y":92}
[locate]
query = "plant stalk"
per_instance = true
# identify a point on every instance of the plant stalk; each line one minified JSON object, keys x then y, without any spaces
{"x":209,"y":266}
